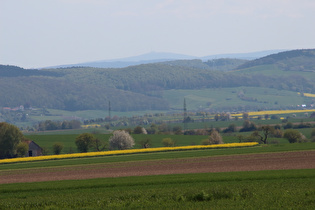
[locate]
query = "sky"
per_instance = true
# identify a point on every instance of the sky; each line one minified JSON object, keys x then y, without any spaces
{"x":41,"y":33}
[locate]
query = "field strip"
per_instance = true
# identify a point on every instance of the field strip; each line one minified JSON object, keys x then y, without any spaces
{"x":224,"y":163}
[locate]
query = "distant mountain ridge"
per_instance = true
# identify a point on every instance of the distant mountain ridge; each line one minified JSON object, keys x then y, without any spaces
{"x":157,"y":57}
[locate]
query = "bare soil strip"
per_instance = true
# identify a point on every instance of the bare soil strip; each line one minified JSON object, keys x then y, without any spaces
{"x":248,"y":162}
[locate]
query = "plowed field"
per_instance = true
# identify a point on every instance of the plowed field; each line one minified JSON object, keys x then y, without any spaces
{"x":248,"y":162}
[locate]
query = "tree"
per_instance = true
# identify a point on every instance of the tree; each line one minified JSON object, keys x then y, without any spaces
{"x":98,"y":145}
{"x":10,"y":137}
{"x":177,"y":130}
{"x":145,"y":143}
{"x":83,"y":142}
{"x":57,"y":148}
{"x":121,"y":140}
{"x":22,"y":149}
{"x":245,"y":116}
{"x":248,"y":126}
{"x":266,"y":130}
{"x":168,"y":142}
{"x":215,"y":137}
{"x":292,"y":135}
{"x":137,"y":130}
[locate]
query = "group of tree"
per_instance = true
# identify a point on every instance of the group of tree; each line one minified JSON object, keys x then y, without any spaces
{"x":12,"y":141}
{"x":58,"y":125}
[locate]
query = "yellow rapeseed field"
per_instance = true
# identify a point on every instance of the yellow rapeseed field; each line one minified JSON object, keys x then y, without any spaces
{"x":272,"y":112}
{"x":130,"y":151}
{"x":91,"y":126}
{"x":308,"y":95}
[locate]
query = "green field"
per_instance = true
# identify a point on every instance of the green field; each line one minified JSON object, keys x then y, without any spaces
{"x":287,"y":189}
{"x":267,"y":98}
{"x":282,"y":189}
{"x":161,"y":156}
{"x":47,"y":140}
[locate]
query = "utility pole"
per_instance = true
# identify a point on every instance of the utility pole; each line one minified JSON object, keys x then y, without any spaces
{"x":185,"y":115}
{"x":109,"y":112}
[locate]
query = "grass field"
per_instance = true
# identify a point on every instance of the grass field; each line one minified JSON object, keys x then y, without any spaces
{"x":267,"y":98}
{"x":46,"y":140}
{"x":287,"y":189}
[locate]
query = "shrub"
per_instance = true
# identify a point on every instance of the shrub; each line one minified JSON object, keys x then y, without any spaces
{"x":278,"y":133}
{"x":21,"y":149}
{"x":121,"y":140}
{"x":292,"y":135}
{"x":205,"y":142}
{"x":168,"y":142}
{"x":313,"y":132}
{"x":177,"y":130}
{"x":248,"y":126}
{"x":57,"y":148}
{"x":289,"y":125}
{"x":230,"y":129}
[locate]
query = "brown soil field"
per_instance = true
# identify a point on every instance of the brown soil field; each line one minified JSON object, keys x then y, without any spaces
{"x":248,"y":162}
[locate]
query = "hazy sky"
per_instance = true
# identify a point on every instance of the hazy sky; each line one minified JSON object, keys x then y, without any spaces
{"x":38,"y":33}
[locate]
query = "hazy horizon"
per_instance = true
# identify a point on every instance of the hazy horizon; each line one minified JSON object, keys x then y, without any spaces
{"x":38,"y":33}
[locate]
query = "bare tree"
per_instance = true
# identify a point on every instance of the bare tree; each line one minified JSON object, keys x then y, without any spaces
{"x":121,"y":140}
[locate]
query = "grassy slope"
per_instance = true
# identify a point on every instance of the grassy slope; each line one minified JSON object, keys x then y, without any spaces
{"x":227,"y":97}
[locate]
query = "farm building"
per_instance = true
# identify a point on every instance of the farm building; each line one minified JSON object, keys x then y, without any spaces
{"x":33,"y":149}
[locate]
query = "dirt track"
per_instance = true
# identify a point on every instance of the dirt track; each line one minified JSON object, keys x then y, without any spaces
{"x":251,"y":162}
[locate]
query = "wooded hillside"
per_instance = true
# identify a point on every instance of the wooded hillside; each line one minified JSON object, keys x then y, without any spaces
{"x":141,"y":87}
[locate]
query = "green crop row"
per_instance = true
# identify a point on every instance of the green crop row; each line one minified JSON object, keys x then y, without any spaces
{"x":285,"y":189}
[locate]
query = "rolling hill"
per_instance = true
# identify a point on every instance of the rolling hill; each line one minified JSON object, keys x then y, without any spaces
{"x":147,"y":86}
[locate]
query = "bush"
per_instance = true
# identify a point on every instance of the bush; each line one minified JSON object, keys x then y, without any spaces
{"x":57,"y":148}
{"x":205,"y":142}
{"x":121,"y":140}
{"x":248,"y":126}
{"x":313,"y":132}
{"x":22,"y":149}
{"x":292,"y":135}
{"x":289,"y":125}
{"x":168,"y":142}
{"x":278,"y":133}
{"x":230,"y":129}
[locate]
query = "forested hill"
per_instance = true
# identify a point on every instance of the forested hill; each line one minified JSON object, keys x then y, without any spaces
{"x":141,"y":87}
{"x":15,"y":71}
{"x":294,"y":60}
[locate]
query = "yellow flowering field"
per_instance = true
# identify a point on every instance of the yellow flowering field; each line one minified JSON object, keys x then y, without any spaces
{"x":91,"y":126}
{"x":130,"y":151}
{"x":308,"y":95}
{"x":272,"y":112}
